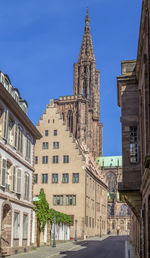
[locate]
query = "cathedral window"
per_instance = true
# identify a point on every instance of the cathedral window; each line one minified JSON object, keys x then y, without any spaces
{"x":112,"y":181}
{"x":124,"y":211}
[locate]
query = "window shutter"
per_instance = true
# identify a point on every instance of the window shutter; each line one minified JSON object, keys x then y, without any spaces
{"x":0,"y":170}
{"x":18,"y":180}
{"x":28,"y":190}
{"x":14,"y":179}
{"x":3,"y":171}
{"x":16,"y":136}
{"x":5,"y":124}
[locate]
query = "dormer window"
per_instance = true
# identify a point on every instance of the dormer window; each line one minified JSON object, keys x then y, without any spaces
{"x":16,"y":97}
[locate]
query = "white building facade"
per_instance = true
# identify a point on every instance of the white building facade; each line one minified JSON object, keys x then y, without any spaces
{"x":17,"y":139}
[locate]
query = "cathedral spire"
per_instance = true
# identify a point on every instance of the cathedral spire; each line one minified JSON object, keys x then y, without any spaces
{"x":86,"y":50}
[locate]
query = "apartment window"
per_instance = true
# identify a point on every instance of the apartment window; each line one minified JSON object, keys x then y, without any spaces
{"x":10,"y":129}
{"x":25,"y":226}
{"x":55,"y":145}
{"x":54,"y":178}
{"x":45,"y":159}
{"x":55,"y":159}
{"x":55,"y":132}
{"x":66,"y":159}
{"x":46,"y":132}
{"x":5,"y":124}
{"x":65,"y":178}
{"x":75,"y":177}
{"x":36,"y":160}
{"x":70,"y":199}
{"x":20,"y":140}
{"x":53,"y":121}
{"x":92,"y":222}
{"x":58,"y":199}
{"x":48,"y":121}
{"x":28,"y":148}
{"x":26,"y":186}
{"x":133,"y":145}
{"x":45,"y":145}
{"x":35,"y":178}
{"x":14,"y":179}
{"x":16,"y":225}
{"x":44,"y":178}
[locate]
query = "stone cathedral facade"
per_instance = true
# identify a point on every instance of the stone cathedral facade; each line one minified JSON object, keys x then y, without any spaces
{"x":81,"y":111}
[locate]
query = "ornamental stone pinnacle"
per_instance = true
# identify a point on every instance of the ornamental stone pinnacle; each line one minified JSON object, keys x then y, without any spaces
{"x":86,"y":50}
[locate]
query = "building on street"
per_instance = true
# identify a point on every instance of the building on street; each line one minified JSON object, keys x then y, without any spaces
{"x":65,"y":165}
{"x":17,"y":140}
{"x":133,"y":98}
{"x":118,"y":213}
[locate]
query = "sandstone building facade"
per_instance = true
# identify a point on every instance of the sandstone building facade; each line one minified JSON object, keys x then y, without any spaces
{"x":118,"y":213}
{"x":134,"y":98}
{"x":69,"y":176}
{"x":72,"y":138}
{"x":17,"y":140}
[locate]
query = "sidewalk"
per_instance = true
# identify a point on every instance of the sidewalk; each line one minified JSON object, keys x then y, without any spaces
{"x":49,"y":251}
{"x":129,"y":250}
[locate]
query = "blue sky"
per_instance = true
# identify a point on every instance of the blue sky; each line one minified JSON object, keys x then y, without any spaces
{"x":40,"y":40}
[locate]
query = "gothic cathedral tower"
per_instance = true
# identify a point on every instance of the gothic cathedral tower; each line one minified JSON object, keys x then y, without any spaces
{"x":81,"y":111}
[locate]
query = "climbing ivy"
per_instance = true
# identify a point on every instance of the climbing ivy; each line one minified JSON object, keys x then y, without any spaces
{"x":44,"y":213}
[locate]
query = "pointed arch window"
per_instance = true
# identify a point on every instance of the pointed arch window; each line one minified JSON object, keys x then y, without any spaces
{"x":70,"y":120}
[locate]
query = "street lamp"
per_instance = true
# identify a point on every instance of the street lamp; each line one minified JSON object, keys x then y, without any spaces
{"x":100,"y":227}
{"x":76,"y":230}
{"x":54,"y":240}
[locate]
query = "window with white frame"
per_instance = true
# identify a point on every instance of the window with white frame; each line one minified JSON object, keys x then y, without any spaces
{"x":20,"y":140}
{"x":5,"y":124}
{"x":14,"y":179}
{"x":3,"y":175}
{"x":16,"y":225}
{"x":10,"y":130}
{"x":18,"y":175}
{"x":1,"y":121}
{"x":28,"y":148}
{"x":25,"y":226}
{"x":26,"y":186}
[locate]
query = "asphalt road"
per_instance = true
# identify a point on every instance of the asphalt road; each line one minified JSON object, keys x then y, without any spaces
{"x":105,"y":247}
{"x":112,"y":247}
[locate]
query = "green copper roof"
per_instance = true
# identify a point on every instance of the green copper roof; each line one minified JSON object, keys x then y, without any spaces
{"x":113,"y":161}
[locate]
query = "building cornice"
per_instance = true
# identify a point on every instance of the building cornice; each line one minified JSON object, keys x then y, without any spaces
{"x":18,"y":112}
{"x":11,"y":199}
{"x":14,"y":155}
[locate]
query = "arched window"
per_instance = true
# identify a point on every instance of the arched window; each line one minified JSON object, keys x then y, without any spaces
{"x":70,"y":121}
{"x":110,"y":210}
{"x":111,"y":180}
{"x":124,"y":211}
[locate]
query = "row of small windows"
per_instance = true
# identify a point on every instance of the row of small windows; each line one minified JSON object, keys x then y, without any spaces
{"x":54,"y":132}
{"x":13,"y":133}
{"x":45,"y":145}
{"x":60,"y":200}
{"x":55,"y":159}
{"x":11,"y":178}
{"x":65,"y":178}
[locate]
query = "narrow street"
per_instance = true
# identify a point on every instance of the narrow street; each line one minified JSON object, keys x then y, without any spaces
{"x":111,"y":247}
